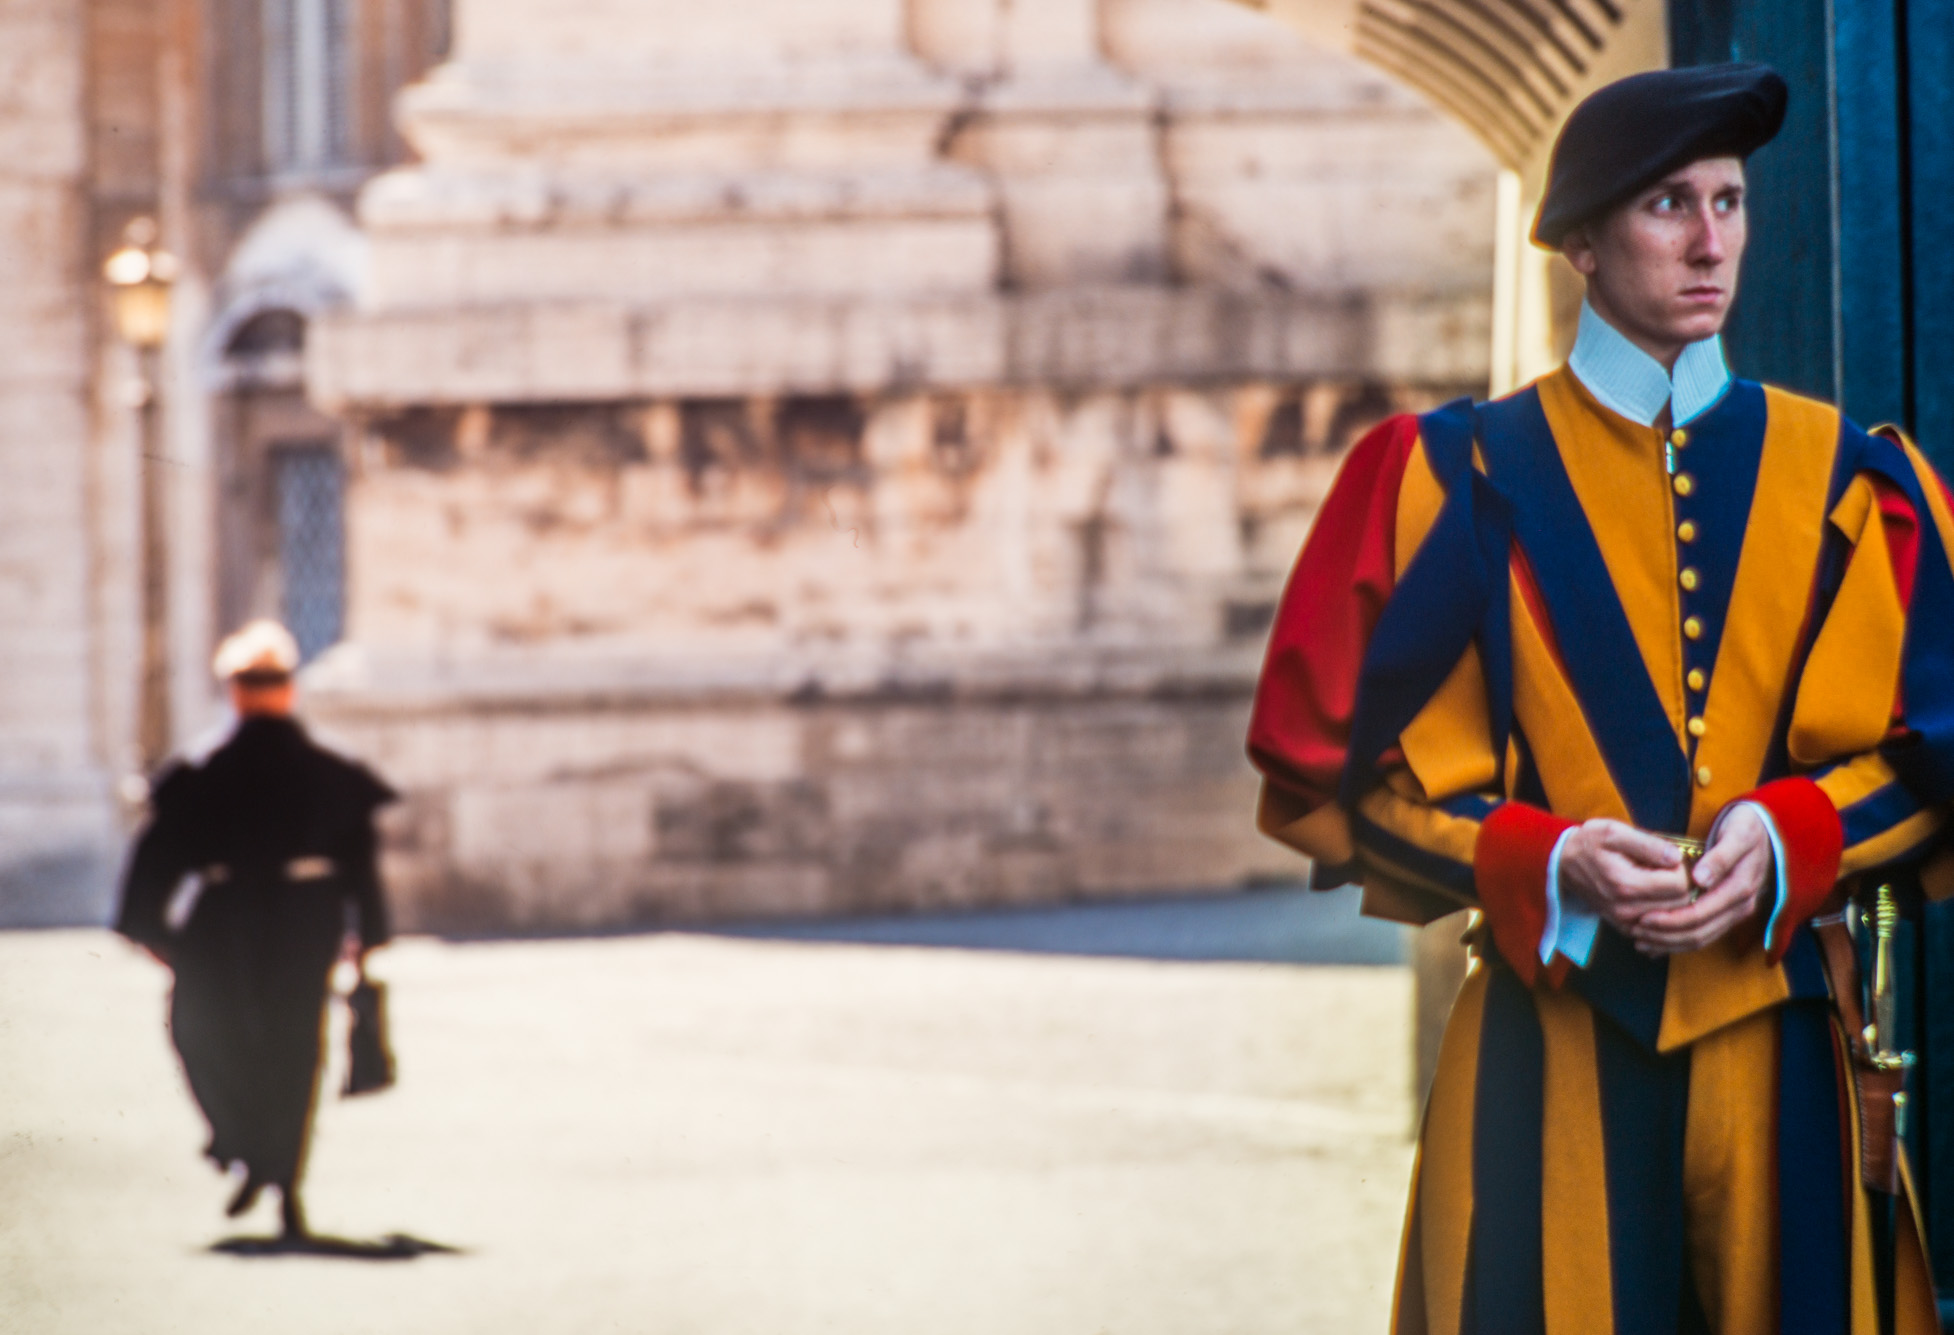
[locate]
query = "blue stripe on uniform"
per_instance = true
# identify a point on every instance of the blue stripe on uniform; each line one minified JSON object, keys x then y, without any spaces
{"x":1877,"y":812}
{"x":1814,"y":1285}
{"x":1804,"y":967}
{"x":1435,"y":868}
{"x":1452,"y":596}
{"x":1620,"y":703}
{"x":1505,"y":1274}
{"x":1644,"y":1109}
{"x":1927,"y":663}
{"x":1471,"y":806}
{"x":1625,"y":985}
{"x":1725,"y":448}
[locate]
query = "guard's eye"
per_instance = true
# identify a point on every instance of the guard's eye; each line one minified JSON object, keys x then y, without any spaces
{"x":1729,"y":203}
{"x":1666,"y":203}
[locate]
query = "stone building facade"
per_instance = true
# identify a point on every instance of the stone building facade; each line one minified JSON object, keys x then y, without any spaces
{"x":846,"y":459}
{"x":798,"y":457}
{"x":133,"y":486}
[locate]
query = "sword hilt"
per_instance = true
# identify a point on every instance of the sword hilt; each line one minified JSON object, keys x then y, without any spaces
{"x":1886,"y":1003}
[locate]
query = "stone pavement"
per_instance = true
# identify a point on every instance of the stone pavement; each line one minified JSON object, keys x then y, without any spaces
{"x":680,"y":1133}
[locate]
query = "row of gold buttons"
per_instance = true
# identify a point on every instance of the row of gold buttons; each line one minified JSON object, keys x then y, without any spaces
{"x":1691,"y":579}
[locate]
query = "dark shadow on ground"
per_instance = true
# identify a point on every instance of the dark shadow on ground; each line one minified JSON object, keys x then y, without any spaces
{"x":393,"y":1247}
{"x":1285,"y":925}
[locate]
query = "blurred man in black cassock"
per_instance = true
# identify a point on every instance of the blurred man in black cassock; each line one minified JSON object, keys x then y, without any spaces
{"x":270,"y":841}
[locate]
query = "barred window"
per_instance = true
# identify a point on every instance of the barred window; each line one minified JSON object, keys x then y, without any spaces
{"x":311,"y":483}
{"x":308,"y":84}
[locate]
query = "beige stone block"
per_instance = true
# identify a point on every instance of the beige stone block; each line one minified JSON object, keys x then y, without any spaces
{"x":1060,"y":231}
{"x":1063,"y":33}
{"x":919,"y":804}
{"x":1199,"y":537}
{"x":1116,"y":335}
{"x":703,"y":892}
{"x":961,"y":35}
{"x":41,"y":230}
{"x":42,"y":132}
{"x":598,"y":824}
{"x":519,"y":197}
{"x":1115,"y":143}
{"x":815,"y":347}
{"x":870,"y":259}
{"x":446,"y":743}
{"x":688,"y":348}
{"x":582,"y":33}
{"x":1435,"y":341}
{"x":942,"y":870}
{"x":584,"y":350}
{"x":1379,"y":148}
{"x":1317,"y":230}
{"x":43,"y":450}
{"x":43,"y":339}
{"x":1193,"y":37}
{"x":855,"y":116}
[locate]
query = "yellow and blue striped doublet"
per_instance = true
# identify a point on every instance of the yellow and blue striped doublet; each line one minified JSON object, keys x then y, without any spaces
{"x":1587,"y":617}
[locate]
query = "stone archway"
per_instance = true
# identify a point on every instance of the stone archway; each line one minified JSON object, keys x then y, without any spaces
{"x":1508,"y":71}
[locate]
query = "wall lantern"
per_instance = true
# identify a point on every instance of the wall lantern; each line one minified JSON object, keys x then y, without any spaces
{"x":139,"y":277}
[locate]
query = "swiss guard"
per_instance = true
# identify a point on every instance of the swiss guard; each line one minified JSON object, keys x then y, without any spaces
{"x":1653,"y":667}
{"x":259,"y":863}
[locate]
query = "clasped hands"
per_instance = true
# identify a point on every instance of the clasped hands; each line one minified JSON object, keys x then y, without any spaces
{"x":1636,"y":881}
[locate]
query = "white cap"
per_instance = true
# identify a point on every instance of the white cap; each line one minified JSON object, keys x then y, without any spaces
{"x":257,"y":646}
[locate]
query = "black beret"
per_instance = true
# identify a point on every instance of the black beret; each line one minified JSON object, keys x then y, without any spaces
{"x":1627,"y":136}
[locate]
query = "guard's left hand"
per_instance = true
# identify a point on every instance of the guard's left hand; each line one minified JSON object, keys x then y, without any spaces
{"x":1731,"y":877}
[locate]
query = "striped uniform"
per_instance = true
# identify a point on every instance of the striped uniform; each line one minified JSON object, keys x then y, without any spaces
{"x":1514,"y":618}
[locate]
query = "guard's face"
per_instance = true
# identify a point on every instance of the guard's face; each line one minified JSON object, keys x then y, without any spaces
{"x":1663,"y":268}
{"x":275,"y":700}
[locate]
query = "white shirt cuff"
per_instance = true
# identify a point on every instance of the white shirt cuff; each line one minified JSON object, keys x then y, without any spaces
{"x":1571,"y":927}
{"x":1777,"y":862}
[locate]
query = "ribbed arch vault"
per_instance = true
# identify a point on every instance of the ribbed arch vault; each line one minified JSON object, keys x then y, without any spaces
{"x":1508,"y":70}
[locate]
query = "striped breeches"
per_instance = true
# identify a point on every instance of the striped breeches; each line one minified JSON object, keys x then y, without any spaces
{"x":1570,"y":1181}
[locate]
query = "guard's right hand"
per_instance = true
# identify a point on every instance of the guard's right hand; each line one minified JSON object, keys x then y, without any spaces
{"x":1622,"y":873}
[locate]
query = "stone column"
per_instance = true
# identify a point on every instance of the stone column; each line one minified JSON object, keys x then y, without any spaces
{"x":56,"y":808}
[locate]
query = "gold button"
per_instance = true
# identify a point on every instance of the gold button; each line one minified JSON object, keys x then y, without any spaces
{"x":1687,"y":530}
{"x":1697,"y":727}
{"x":1679,"y":438}
{"x":1685,"y":484}
{"x":1697,"y":681}
{"x":1690,"y":579}
{"x":1693,"y":627}
{"x":1703,"y":775}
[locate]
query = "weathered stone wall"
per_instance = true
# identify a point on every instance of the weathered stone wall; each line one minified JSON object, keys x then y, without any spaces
{"x":586,"y":813}
{"x":835,"y":529}
{"x":717,"y":658}
{"x":852,"y":463}
{"x":57,"y":810}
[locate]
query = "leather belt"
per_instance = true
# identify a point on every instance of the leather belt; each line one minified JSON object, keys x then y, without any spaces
{"x":298,"y":869}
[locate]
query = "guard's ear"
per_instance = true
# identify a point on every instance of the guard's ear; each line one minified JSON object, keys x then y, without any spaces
{"x":1578,"y":247}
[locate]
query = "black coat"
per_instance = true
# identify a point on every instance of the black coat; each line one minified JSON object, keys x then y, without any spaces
{"x":280,"y":831}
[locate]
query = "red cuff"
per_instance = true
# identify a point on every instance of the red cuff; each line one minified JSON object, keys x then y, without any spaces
{"x":1509,"y":867}
{"x":1814,"y":839}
